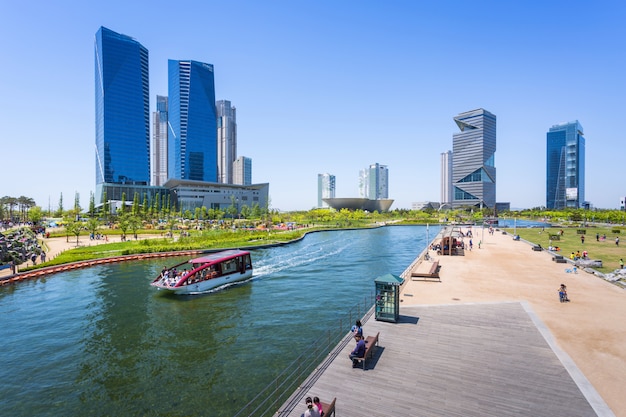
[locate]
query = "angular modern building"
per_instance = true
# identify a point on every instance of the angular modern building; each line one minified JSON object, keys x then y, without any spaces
{"x":242,"y":171}
{"x":473,"y":159}
{"x":565,"y":167}
{"x":325,"y":189}
{"x":122,"y":111}
{"x":226,"y":141}
{"x":192,"y":139}
{"x":158,"y":146}
{"x":374,"y":182}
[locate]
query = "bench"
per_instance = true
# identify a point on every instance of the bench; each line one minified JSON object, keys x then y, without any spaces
{"x":370,"y":341}
{"x":537,"y":248}
{"x":328,"y":408}
{"x":433,"y":273}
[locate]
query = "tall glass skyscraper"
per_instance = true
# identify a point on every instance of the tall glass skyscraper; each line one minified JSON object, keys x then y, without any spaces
{"x":158,"y":148}
{"x":192,"y":142}
{"x":374,"y":182}
{"x":226,"y":141}
{"x":122,"y":111}
{"x":325,"y":188}
{"x":565,"y":174}
{"x":473,"y":159}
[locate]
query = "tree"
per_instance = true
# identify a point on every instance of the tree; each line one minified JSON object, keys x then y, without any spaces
{"x":123,"y":223}
{"x":135,"y":209}
{"x":134,"y":224}
{"x":24,"y":204}
{"x":72,"y":226}
{"x":59,"y":212}
{"x":92,"y":225}
{"x":123,"y":208}
{"x":77,"y":207}
{"x":245,"y":211}
{"x":35,"y":214}
{"x":92,"y":205}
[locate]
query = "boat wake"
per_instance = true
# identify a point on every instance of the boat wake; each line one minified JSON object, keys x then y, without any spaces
{"x":306,"y":255}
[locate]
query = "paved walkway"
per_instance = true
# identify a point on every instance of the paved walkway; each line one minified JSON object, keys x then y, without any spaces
{"x":491,"y":339}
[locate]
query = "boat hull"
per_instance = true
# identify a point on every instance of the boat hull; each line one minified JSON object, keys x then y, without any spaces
{"x":207,"y":285}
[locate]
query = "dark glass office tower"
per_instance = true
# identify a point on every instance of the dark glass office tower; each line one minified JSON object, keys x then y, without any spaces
{"x":473,"y":159}
{"x":565,"y":166}
{"x":122,"y":111}
{"x":192,"y":140}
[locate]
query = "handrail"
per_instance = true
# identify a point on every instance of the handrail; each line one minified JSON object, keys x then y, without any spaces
{"x":290,"y":384}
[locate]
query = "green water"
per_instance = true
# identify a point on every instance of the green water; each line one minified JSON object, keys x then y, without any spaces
{"x":102,"y":342}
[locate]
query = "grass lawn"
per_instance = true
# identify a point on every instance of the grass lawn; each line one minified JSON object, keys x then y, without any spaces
{"x":603,"y":249}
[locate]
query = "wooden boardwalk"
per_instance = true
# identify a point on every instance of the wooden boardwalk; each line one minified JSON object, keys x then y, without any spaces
{"x":455,"y":360}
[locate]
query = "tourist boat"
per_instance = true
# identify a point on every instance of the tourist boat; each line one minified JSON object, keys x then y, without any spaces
{"x":205,"y":273}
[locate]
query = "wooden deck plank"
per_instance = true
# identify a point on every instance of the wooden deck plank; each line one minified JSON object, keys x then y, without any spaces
{"x":454,"y":360}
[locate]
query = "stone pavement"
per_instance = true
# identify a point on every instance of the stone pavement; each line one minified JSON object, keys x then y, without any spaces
{"x":590,"y":329}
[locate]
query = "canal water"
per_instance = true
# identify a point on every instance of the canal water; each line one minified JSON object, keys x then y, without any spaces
{"x":101,"y":341}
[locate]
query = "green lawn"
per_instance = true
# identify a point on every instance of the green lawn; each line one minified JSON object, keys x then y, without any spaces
{"x":570,"y":241}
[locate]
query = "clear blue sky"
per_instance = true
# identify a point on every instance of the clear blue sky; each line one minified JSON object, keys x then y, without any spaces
{"x":330,"y":86}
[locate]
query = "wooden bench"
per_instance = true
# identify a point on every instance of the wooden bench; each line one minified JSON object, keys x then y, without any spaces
{"x":537,"y":248}
{"x":370,"y":342}
{"x":433,"y":273}
{"x":328,"y":408}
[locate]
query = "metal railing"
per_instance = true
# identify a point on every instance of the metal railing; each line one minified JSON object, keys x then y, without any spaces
{"x":293,"y":382}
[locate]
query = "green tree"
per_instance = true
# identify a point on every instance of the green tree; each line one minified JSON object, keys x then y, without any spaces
{"x":245,"y":211}
{"x":135,"y":208}
{"x":73,"y":226}
{"x":59,"y":212}
{"x":92,"y":205}
{"x":123,"y":223}
{"x":35,"y":214}
{"x":134,"y":224}
{"x":92,"y":225}
{"x":123,"y":208}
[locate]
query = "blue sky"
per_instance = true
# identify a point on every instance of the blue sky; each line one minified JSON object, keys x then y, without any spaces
{"x":330,"y":86}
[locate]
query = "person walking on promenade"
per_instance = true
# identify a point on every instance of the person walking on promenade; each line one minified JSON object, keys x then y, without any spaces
{"x":311,"y":410}
{"x":563,"y":293}
{"x":582,"y":239}
{"x":359,"y":350}
{"x":617,"y":241}
{"x":621,"y":263}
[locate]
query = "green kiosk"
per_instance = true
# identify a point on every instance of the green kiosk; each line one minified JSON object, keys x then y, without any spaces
{"x":388,"y":297}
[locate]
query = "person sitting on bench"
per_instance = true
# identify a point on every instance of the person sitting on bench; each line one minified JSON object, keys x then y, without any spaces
{"x":359,"y":350}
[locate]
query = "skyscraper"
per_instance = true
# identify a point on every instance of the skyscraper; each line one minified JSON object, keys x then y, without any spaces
{"x":158,"y":148}
{"x":446,"y":178}
{"x":374,"y":182}
{"x":242,"y":171}
{"x":325,"y":188}
{"x":473,"y":159}
{"x":226,"y":141}
{"x":122,"y":111}
{"x":192,"y":139}
{"x":565,"y":173}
